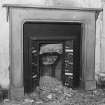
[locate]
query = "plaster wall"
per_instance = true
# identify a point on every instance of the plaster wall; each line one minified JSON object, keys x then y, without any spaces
{"x":4,"y":31}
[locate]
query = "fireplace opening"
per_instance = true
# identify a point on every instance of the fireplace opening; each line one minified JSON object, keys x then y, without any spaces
{"x":51,"y":55}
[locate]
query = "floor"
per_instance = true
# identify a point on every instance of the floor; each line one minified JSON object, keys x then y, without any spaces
{"x":65,"y":97}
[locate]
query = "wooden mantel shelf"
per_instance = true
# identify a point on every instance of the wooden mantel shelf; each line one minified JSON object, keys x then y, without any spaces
{"x":52,"y":7}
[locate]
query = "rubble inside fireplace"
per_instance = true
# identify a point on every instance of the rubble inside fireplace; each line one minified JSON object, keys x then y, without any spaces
{"x":48,"y":92}
{"x":55,"y":60}
{"x":50,"y":86}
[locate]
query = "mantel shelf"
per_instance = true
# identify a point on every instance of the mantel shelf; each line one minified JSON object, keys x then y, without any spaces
{"x":52,"y":7}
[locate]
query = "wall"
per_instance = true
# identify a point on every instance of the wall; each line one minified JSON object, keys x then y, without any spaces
{"x":4,"y":31}
{"x":4,"y":49}
{"x":77,"y":3}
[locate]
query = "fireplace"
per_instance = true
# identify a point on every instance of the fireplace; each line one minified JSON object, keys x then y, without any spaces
{"x":56,"y":42}
{"x":51,"y":50}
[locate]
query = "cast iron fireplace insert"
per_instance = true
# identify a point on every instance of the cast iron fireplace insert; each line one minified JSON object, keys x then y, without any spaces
{"x":51,"y":40}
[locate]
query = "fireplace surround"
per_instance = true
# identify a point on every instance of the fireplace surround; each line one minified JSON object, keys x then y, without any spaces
{"x":19,"y":14}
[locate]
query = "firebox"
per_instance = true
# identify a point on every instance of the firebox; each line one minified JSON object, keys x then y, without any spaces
{"x":51,"y":44}
{"x":51,"y":50}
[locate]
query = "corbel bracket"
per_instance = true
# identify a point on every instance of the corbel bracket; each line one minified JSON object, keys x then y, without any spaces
{"x":97,"y":14}
{"x":7,"y":14}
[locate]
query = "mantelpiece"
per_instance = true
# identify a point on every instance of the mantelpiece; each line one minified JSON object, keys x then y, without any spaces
{"x":19,"y":14}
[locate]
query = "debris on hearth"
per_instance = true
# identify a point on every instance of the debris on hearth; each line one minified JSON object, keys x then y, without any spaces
{"x":65,"y":96}
{"x":51,"y":89}
{"x":51,"y":92}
